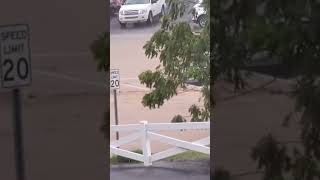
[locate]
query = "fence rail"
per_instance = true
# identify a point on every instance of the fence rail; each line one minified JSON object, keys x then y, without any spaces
{"x":147,"y":132}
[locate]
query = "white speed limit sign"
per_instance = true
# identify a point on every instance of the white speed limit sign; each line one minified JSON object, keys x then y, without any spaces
{"x":15,"y":61}
{"x":115,"y":79}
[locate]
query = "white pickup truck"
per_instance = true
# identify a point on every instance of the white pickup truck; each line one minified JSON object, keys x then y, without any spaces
{"x":134,"y":11}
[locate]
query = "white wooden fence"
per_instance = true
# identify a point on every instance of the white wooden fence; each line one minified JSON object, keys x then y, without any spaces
{"x":146,"y":132}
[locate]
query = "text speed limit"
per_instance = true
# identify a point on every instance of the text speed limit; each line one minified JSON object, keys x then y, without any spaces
{"x":115,"y":79}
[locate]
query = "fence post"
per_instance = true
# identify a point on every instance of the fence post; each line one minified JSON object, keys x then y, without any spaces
{"x":146,"y":144}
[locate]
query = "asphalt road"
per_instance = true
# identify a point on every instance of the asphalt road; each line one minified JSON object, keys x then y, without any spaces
{"x":184,"y":170}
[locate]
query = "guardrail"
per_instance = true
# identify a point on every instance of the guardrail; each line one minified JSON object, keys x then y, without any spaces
{"x":147,"y":133}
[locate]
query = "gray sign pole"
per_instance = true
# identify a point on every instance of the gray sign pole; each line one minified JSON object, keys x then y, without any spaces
{"x":18,"y":135}
{"x":116,"y":111}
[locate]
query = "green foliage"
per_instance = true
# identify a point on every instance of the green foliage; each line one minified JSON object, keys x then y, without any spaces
{"x":178,"y":119}
{"x":198,"y":114}
{"x":121,"y":160}
{"x":100,"y":51}
{"x":272,"y":157}
{"x":105,"y":125}
{"x":164,"y":88}
{"x":292,"y":30}
{"x":288,"y":30}
{"x":229,"y":48}
{"x":183,"y":56}
{"x":304,"y":167}
{"x":189,"y":155}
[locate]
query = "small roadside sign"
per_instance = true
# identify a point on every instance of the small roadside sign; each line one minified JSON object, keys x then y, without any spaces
{"x":15,"y":61}
{"x":114,"y":85}
{"x":115,"y":79}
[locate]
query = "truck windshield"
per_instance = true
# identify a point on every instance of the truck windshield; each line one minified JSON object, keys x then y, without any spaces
{"x":128,"y":2}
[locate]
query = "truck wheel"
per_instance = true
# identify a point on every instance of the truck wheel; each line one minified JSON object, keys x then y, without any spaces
{"x":122,"y":25}
{"x":150,"y":18}
{"x":202,"y":21}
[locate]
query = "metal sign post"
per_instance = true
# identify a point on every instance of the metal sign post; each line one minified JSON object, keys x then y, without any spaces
{"x":115,"y":84}
{"x":18,"y":135}
{"x":15,"y":71}
{"x":116,"y":111}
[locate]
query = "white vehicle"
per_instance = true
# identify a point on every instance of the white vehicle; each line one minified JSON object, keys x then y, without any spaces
{"x":134,"y":11}
{"x":199,"y":14}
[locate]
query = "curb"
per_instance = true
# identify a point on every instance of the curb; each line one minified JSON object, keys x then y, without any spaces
{"x":199,"y":166}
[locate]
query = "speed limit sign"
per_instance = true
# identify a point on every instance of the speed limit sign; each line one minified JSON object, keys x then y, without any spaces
{"x":15,"y":71}
{"x":115,"y":79}
{"x":15,"y":61}
{"x":114,"y":85}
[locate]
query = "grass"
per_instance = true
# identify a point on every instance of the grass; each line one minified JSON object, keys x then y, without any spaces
{"x":124,"y":160}
{"x":188,"y":155}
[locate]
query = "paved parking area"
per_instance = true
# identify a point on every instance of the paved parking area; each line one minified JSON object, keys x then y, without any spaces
{"x":184,"y":170}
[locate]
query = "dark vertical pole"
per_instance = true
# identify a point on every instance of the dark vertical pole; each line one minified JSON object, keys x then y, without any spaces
{"x":116,"y":111}
{"x":18,"y":134}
